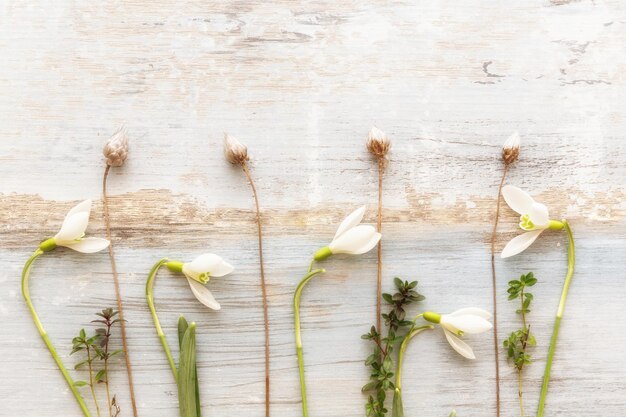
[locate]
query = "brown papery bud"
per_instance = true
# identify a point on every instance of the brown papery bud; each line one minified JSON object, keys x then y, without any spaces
{"x":378,"y":143}
{"x":116,"y":149}
{"x":234,"y":151}
{"x":510,"y":150}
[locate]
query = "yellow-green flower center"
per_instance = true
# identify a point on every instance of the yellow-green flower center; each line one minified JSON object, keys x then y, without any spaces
{"x":525,"y":222}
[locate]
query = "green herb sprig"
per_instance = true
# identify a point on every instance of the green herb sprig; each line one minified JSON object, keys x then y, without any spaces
{"x":520,"y":340}
{"x":380,"y":361}
{"x":98,"y":354}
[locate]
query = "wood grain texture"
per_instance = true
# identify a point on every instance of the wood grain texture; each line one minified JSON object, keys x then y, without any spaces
{"x":300,"y":84}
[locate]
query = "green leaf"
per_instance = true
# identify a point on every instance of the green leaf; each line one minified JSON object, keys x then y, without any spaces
{"x":186,"y":374}
{"x":369,"y":386}
{"x":182,"y":328}
{"x":100,"y":376}
{"x":398,"y":283}
{"x":80,"y":383}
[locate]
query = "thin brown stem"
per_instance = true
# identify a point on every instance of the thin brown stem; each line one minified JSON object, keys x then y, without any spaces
{"x":107,"y":223}
{"x":496,"y":344}
{"x":263,"y":290}
{"x":379,"y":226}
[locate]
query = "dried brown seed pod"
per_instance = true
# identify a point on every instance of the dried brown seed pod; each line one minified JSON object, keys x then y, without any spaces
{"x":510,"y":150}
{"x":116,"y":149}
{"x":234,"y":151}
{"x":378,"y":144}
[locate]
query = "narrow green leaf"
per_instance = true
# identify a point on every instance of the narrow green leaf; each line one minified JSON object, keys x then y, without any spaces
{"x":100,"y":376}
{"x":80,"y":383}
{"x":186,"y":374}
{"x":182,"y":328}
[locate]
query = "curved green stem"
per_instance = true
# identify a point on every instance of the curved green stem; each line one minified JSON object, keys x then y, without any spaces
{"x":157,"y":324}
{"x":296,"y":308}
{"x":44,"y":335}
{"x":405,"y":342}
{"x":397,"y":407}
{"x":571,"y":260}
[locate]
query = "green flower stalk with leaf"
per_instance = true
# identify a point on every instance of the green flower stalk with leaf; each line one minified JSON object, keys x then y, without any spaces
{"x":518,"y":342}
{"x":70,"y":236}
{"x":454,"y":326}
{"x":534,"y":220}
{"x":352,"y":238}
{"x":198,"y":273}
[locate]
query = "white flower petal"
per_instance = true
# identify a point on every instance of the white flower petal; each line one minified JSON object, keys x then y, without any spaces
{"x":222,"y":269}
{"x":467,"y":323}
{"x":520,"y":243}
{"x":358,"y":240}
{"x":349,"y":222}
{"x":460,"y":346}
{"x":87,"y":245}
{"x":204,"y":263}
{"x":203,"y":294}
{"x":73,"y":228}
{"x":472,"y":310}
{"x":519,"y":200}
{"x":84,"y":207}
{"x":538,"y":214}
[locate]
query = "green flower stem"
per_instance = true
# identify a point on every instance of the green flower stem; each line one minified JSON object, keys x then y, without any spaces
{"x":157,"y":324}
{"x":296,"y":308}
{"x":398,"y":409}
{"x":571,"y":260}
{"x":44,"y":335}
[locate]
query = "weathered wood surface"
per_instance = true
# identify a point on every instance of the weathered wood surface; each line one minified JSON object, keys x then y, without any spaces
{"x":301,"y":84}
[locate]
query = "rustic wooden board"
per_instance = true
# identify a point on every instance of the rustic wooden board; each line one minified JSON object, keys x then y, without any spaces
{"x":301,"y":84}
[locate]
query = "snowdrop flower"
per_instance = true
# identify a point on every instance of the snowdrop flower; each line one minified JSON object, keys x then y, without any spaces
{"x":351,"y":237}
{"x":72,"y":232}
{"x":198,"y":273}
{"x":465,"y":320}
{"x":534,"y":219}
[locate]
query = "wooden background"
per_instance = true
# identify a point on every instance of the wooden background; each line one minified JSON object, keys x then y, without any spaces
{"x":301,"y":84}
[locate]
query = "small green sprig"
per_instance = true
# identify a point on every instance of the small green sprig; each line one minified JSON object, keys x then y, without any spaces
{"x":380,"y":361}
{"x":98,"y":355}
{"x":518,"y":341}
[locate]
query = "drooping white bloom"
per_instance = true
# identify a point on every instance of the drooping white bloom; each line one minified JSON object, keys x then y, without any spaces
{"x":73,"y":229}
{"x":351,"y":238}
{"x":534,"y":219}
{"x":463,"y":321}
{"x":198,"y":273}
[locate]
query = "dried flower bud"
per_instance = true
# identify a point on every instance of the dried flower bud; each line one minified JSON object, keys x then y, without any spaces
{"x":116,"y":148}
{"x":234,"y":151}
{"x":510,"y":150}
{"x":378,"y":144}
